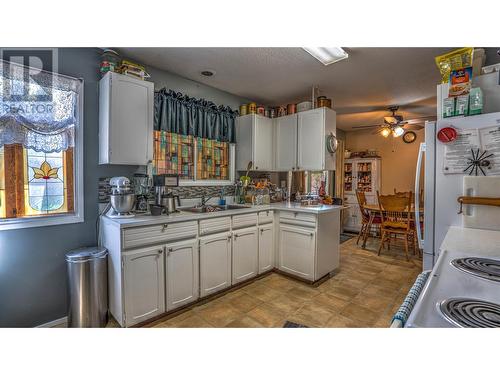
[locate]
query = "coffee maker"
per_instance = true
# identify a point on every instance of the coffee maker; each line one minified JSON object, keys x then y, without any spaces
{"x":163,"y":195}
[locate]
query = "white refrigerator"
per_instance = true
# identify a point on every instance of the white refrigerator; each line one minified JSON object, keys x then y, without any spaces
{"x":441,"y":187}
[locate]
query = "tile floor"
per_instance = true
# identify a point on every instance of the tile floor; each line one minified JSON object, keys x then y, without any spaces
{"x":365,"y":292}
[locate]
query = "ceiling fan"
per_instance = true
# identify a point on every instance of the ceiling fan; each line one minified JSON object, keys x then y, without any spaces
{"x":396,"y":125}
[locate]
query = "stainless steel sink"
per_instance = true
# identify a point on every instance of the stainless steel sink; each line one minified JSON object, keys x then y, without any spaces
{"x":206,"y":209}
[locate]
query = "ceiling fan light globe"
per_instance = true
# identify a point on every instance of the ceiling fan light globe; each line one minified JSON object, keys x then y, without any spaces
{"x":385,"y":132}
{"x":398,"y":131}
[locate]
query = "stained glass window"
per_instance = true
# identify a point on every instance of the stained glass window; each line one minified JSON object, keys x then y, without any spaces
{"x":212,"y":159}
{"x":175,"y":153}
{"x":45,"y":189}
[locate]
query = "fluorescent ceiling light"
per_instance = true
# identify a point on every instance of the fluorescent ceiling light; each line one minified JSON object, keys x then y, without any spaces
{"x":327,"y":55}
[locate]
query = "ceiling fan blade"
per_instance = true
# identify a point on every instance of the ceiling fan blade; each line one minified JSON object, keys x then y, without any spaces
{"x":365,"y":126}
{"x":412,"y":127}
{"x":420,"y":120}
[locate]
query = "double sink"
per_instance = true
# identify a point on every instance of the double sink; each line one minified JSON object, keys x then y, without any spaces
{"x":212,"y":208}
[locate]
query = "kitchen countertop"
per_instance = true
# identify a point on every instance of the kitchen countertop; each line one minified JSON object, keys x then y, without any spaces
{"x":475,"y":241}
{"x":147,"y":219}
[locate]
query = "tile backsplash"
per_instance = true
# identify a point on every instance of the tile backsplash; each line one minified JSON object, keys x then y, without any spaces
{"x":184,"y":192}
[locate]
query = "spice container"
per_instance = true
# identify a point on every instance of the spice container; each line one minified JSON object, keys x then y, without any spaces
{"x":243,"y":110}
{"x":291,"y":108}
{"x":281,"y":111}
{"x":252,"y":108}
{"x":323,"y":101}
{"x":261,"y":110}
{"x":272,"y":112}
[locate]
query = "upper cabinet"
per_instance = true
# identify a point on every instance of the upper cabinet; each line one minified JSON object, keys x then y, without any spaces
{"x":313,"y":128}
{"x":286,"y":141}
{"x":254,"y":142}
{"x":125,"y":120}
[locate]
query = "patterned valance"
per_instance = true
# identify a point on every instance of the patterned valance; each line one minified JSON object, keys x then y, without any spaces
{"x":37,"y":109}
{"x":181,"y":114}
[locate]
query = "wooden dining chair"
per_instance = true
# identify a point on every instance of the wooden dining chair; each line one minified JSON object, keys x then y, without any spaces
{"x":366,"y":225}
{"x":395,"y":212}
{"x":402,"y":193}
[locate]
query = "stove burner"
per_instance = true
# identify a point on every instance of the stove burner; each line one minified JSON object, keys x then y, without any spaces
{"x":471,"y":313}
{"x":480,"y":267}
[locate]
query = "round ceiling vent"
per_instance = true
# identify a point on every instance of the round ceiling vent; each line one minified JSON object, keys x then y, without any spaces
{"x":208,"y":73}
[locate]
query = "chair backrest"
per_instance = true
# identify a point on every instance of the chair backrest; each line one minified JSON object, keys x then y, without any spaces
{"x":395,"y":208}
{"x":360,"y":196}
{"x":402,"y":193}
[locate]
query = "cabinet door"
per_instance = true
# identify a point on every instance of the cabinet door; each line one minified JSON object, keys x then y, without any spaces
{"x":245,"y":254}
{"x":182,"y":273}
{"x":297,"y":250}
{"x":286,"y":142}
{"x":349,"y":177}
{"x":215,"y":263}
{"x":131,"y":121}
{"x":263,"y":144}
{"x":143,"y":284}
{"x":311,"y":140}
{"x":266,"y":248}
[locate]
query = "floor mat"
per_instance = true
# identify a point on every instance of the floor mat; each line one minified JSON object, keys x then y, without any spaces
{"x":289,"y":324}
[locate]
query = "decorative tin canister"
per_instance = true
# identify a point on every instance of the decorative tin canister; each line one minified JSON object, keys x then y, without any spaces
{"x":243,"y":110}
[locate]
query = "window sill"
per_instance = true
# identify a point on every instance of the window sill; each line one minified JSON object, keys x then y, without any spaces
{"x":205,"y":183}
{"x":33,"y":222}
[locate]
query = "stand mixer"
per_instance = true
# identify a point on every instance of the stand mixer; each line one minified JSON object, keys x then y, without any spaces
{"x":122,"y":198}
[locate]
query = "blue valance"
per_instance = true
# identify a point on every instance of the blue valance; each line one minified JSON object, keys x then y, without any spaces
{"x":181,"y":114}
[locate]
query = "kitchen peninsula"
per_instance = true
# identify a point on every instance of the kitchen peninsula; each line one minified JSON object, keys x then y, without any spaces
{"x":158,"y":264}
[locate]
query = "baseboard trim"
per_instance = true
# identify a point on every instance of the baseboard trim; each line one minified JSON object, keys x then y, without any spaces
{"x":58,"y":323}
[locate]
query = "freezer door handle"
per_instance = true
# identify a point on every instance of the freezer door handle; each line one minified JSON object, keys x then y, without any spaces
{"x":420,"y":237}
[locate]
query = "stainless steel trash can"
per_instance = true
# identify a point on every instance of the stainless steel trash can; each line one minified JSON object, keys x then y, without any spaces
{"x":88,"y":287}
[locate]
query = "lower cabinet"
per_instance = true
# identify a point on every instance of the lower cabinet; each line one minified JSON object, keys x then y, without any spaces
{"x":215,"y":263}
{"x":297,"y":247}
{"x":245,"y":254}
{"x":143,"y":284}
{"x":266,"y":248}
{"x":182,"y":270}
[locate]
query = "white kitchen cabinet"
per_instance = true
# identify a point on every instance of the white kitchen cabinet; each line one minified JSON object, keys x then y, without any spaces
{"x":143,"y":284}
{"x":286,"y":143}
{"x":215,"y":263}
{"x":313,"y":127}
{"x":254,"y":140}
{"x":297,"y":247}
{"x":182,"y":273}
{"x":266,"y":248}
{"x":245,"y":254}
{"x":125,"y":120}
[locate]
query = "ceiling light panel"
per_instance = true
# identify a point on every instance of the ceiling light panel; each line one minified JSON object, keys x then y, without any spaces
{"x":327,"y":55}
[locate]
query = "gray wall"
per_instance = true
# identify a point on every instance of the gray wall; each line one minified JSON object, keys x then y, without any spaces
{"x":32,"y":268}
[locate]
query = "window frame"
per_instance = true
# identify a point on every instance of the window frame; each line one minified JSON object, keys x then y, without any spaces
{"x":62,"y":218}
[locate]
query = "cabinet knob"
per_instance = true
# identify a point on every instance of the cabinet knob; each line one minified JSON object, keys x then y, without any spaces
{"x":160,"y":251}
{"x":229,"y":239}
{"x":311,"y":234}
{"x":293,"y":168}
{"x":256,"y":167}
{"x":165,"y":226}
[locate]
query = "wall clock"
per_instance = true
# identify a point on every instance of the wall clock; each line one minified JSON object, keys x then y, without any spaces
{"x":409,"y":137}
{"x":332,"y":143}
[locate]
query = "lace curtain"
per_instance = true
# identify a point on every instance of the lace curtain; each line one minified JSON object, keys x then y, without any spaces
{"x":181,"y":114}
{"x":38,"y":111}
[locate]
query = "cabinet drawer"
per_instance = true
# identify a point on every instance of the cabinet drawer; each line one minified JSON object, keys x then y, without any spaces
{"x":216,"y":225}
{"x":298,"y":216}
{"x":141,"y":236}
{"x":266,"y":217}
{"x":246,"y":220}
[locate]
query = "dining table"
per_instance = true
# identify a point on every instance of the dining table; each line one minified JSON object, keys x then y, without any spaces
{"x":374,"y":210}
